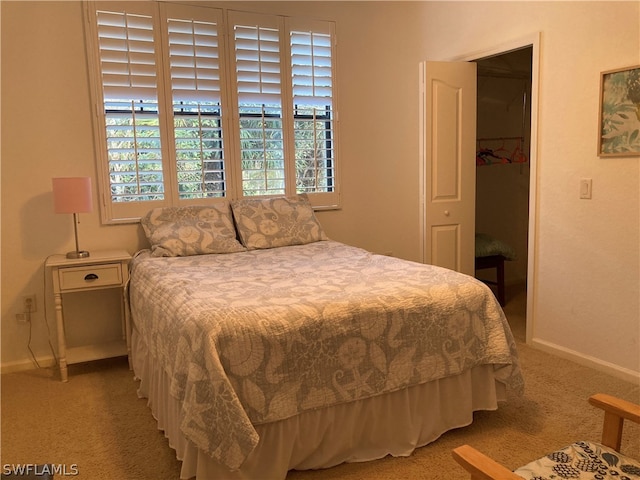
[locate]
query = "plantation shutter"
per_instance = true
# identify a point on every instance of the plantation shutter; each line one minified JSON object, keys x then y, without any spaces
{"x":174,"y":127}
{"x":311,"y":68}
{"x":259,"y":102}
{"x":194,"y":49}
{"x":127,"y":57}
{"x":311,"y":45}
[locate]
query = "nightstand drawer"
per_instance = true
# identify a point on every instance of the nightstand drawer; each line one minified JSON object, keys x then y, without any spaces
{"x":87,"y":277}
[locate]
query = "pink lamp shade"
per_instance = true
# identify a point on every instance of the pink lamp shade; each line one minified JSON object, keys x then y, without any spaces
{"x":72,"y":195}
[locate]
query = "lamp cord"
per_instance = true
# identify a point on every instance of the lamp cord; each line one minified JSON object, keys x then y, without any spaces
{"x":46,"y":321}
{"x":33,"y":357}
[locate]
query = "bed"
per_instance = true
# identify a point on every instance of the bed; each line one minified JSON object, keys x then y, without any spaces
{"x":263,"y":346}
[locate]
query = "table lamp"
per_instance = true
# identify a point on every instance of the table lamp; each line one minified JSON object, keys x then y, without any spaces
{"x":73,"y":195}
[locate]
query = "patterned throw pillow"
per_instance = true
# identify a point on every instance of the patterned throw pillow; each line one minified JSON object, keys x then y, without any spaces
{"x":194,"y":230}
{"x":487,"y":246}
{"x":276,"y":222}
{"x":582,"y":461}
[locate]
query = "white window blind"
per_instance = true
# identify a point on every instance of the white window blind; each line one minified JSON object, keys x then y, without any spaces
{"x":130,"y":98}
{"x":259,"y":102}
{"x":194,"y":61}
{"x":199,"y":104}
{"x":312,"y":90}
{"x":311,"y":68}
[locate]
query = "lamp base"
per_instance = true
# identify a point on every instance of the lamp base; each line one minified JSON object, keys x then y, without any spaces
{"x":78,"y":254}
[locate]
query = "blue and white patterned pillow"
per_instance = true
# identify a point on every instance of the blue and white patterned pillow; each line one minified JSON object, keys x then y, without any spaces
{"x":276,"y":221}
{"x":192,"y":230}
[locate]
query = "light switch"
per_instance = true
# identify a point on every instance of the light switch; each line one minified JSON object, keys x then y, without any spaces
{"x":585,"y":188}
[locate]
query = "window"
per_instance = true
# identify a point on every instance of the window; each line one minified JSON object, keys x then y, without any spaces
{"x":197,"y":104}
{"x":311,"y":71}
{"x":194,"y":65}
{"x":131,"y":120}
{"x":258,"y":74}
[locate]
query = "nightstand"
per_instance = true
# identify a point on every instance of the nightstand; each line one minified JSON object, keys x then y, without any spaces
{"x":102,"y":270}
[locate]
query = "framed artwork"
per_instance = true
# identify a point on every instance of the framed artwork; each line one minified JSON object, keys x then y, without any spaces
{"x":619,"y":134}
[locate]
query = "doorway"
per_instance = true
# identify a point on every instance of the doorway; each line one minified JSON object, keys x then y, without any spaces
{"x":503,"y":172}
{"x":527,"y":256}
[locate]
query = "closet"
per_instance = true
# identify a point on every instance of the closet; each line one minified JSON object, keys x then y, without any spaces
{"x":502,"y":158}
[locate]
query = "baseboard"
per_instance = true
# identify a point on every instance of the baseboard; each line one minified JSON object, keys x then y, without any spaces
{"x":23,"y":365}
{"x":588,"y":361}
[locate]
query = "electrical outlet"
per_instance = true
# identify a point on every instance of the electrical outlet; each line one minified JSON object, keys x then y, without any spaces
{"x":29,"y":304}
{"x":22,"y":318}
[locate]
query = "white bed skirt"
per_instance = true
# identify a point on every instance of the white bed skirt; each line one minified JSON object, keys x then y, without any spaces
{"x":393,"y":424}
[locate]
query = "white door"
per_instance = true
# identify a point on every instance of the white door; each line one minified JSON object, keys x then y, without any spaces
{"x":448,"y":173}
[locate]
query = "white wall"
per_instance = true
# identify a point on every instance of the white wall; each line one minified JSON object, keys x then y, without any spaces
{"x":587,"y":272}
{"x":46,"y":132}
{"x":587,"y":286}
{"x":45,"y":94}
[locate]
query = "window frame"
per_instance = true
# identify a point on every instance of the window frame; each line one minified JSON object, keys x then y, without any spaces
{"x":113,"y":212}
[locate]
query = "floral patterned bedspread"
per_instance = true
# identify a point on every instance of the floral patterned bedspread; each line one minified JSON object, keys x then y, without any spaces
{"x":263,"y":335}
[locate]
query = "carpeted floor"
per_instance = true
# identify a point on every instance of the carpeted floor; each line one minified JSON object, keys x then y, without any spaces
{"x":97,"y":424}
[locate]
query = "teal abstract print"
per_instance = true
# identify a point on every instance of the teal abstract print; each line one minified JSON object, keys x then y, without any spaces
{"x":620,"y":113}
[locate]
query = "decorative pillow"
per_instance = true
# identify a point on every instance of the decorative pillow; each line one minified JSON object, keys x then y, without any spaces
{"x":487,"y":246}
{"x":194,"y":230}
{"x":582,"y":460}
{"x":276,"y":222}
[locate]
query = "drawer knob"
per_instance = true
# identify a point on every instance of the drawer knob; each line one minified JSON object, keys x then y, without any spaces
{"x":91,"y":276}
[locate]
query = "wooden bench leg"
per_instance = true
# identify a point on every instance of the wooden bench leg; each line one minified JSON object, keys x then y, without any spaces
{"x":497,"y":262}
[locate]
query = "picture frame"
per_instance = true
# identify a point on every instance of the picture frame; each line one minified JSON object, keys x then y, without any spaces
{"x":619,"y":125}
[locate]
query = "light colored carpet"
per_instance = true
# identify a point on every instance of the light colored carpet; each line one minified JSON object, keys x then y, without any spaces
{"x":97,"y":422}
